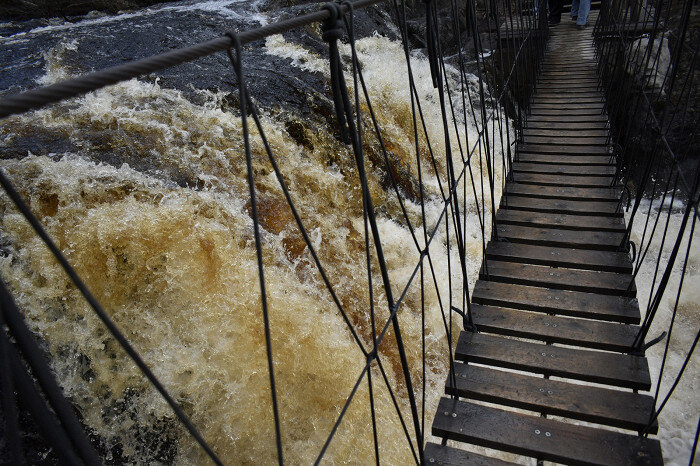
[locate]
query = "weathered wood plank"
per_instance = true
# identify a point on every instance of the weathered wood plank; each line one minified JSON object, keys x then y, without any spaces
{"x":562,"y":180}
{"x":590,"y":281}
{"x":556,"y":92}
{"x":566,"y":74}
{"x":551,"y":89}
{"x":561,"y":302}
{"x":566,"y":140}
{"x":561,"y":86}
{"x":567,"y":99}
{"x":562,"y":221}
{"x":618,"y":262}
{"x":540,"y":437}
{"x":557,"y":133}
{"x":571,"y":106}
{"x":448,"y":456}
{"x":564,"y":90}
{"x":570,"y":193}
{"x":557,"y":149}
{"x":557,"y":69}
{"x":553,"y":397}
{"x":564,"y":169}
{"x":608,"y":336}
{"x":564,"y":159}
{"x":557,"y":117}
{"x":600,"y":125}
{"x":544,"y":236}
{"x":564,"y":114}
{"x":621,"y":370}
{"x":561,"y":206}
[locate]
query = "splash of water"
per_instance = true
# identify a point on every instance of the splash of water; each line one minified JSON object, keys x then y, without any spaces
{"x":151,"y":207}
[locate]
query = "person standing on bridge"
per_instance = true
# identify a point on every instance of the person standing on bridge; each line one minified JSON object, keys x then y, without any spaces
{"x":579,"y":12}
{"x":555,"y":7}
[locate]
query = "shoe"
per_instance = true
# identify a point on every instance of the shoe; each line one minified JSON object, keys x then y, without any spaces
{"x":581,"y":27}
{"x":574,"y":18}
{"x":554,"y":22}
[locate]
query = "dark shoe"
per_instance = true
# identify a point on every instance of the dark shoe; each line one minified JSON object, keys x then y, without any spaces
{"x":574,"y":18}
{"x":554,"y":21}
{"x":581,"y":27}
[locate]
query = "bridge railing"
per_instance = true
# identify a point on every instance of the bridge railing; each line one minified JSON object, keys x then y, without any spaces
{"x":647,"y":54}
{"x":467,"y":174}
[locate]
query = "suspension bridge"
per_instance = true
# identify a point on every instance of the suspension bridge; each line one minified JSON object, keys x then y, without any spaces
{"x":556,"y":256}
{"x":550,"y":362}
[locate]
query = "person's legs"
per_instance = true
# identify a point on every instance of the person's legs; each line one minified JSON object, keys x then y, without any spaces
{"x":583,"y":9}
{"x":555,"y":7}
{"x":574,"y":8}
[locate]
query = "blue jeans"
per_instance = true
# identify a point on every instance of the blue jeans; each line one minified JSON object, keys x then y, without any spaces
{"x":581,"y":8}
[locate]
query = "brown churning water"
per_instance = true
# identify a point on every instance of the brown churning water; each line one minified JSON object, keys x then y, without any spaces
{"x":169,"y":253}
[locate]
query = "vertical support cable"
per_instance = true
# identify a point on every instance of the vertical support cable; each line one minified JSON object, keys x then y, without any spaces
{"x":238,"y":67}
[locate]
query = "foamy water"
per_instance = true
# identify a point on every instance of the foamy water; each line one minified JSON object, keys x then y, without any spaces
{"x":174,"y":265}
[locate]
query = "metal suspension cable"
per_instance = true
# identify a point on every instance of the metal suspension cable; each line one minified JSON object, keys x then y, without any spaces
{"x":242,"y":93}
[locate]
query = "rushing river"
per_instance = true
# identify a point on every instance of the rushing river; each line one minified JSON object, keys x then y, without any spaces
{"x":143,"y":187}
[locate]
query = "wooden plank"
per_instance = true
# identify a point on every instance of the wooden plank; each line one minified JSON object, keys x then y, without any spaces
{"x":448,"y":456}
{"x":561,"y":221}
{"x":562,"y":180}
{"x":560,"y":302}
{"x":559,"y":89}
{"x":570,"y":193}
{"x":571,"y":106}
{"x":618,"y":262}
{"x":564,"y":62}
{"x":569,"y":58}
{"x":554,"y":149}
{"x":560,"y":206}
{"x":563,"y":88}
{"x":557,"y":117}
{"x":565,"y":140}
{"x":566,"y":126}
{"x":553,"y":73}
{"x":545,"y":439}
{"x":567,"y":99}
{"x":621,"y":370}
{"x":544,"y":236}
{"x":551,"y":68}
{"x":565,"y":113}
{"x":563,"y":85}
{"x":608,"y":336}
{"x":564,"y":169}
{"x":577,"y":133}
{"x":566,"y":85}
{"x":565,"y":159}
{"x":590,"y":281}
{"x":615,"y":408}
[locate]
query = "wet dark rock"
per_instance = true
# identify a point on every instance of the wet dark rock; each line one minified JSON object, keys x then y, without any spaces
{"x":39,"y":142}
{"x":25,"y":9}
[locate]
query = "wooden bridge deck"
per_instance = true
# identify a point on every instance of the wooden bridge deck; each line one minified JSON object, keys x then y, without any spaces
{"x":556,"y":299}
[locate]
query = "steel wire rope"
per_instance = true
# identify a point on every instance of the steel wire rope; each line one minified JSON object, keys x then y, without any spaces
{"x":671,"y":325}
{"x":243,"y":97}
{"x":7,"y":389}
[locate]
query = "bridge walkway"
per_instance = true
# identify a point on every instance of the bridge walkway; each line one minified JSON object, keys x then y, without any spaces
{"x":555,"y":304}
